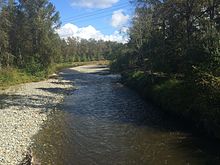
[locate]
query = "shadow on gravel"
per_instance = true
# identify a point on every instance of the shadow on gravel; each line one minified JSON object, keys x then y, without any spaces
{"x":58,"y":90}
{"x":33,"y":101}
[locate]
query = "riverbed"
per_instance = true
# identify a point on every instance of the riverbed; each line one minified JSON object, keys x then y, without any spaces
{"x":23,"y":110}
{"x":102,"y":122}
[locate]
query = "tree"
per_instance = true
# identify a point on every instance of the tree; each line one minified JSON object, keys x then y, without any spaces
{"x":41,"y":22}
{"x":5,"y":24}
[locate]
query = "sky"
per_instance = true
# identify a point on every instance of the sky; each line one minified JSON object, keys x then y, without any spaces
{"x":96,"y":19}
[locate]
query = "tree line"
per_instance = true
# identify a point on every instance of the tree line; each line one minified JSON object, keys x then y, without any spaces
{"x":28,"y":38}
{"x":27,"y":34}
{"x":174,"y":37}
{"x":173,"y":57}
{"x":81,"y":50}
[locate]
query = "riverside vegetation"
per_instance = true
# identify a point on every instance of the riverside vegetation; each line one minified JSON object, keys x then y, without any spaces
{"x":30,"y":48}
{"x":173,"y":59}
{"x":13,"y":76}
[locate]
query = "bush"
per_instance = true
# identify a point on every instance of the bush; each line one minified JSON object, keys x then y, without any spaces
{"x":34,"y":67}
{"x":196,"y":101}
{"x":11,"y":76}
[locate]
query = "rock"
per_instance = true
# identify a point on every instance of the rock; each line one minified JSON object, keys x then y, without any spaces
{"x":25,"y":110}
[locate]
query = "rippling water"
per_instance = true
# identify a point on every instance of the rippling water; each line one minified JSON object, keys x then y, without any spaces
{"x":104,"y":123}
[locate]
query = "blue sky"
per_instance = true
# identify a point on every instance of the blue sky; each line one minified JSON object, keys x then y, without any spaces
{"x":98,"y":19}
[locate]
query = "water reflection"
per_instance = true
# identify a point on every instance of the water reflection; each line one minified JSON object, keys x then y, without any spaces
{"x":104,"y":123}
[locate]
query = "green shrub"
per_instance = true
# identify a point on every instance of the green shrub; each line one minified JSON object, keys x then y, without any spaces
{"x":12,"y":76}
{"x":197,"y":101}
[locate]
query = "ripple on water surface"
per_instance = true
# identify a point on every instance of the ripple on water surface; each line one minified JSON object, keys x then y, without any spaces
{"x":105,"y":123}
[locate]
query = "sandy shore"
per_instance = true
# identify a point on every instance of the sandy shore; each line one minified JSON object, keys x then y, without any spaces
{"x":23,"y":109}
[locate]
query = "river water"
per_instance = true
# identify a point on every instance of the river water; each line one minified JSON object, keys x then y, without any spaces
{"x":101,"y":122}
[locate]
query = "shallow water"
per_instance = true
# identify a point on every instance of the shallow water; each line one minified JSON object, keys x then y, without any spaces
{"x":104,"y":123}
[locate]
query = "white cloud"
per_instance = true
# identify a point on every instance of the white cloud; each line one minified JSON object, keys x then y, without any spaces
{"x":94,"y":3}
{"x":119,"y":19}
{"x":89,"y":32}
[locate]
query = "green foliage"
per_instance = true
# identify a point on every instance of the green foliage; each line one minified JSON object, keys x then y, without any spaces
{"x":174,"y":58}
{"x":167,"y":85}
{"x":88,"y":50}
{"x":180,"y":98}
{"x":34,"y":66}
{"x":11,"y":76}
{"x":28,"y":40}
{"x":123,"y":60}
{"x":172,"y":36}
{"x":27,"y":35}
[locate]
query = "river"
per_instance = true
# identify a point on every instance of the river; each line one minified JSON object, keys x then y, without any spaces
{"x":102,"y":122}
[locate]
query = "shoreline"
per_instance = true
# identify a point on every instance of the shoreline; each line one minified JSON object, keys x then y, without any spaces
{"x":23,"y":110}
{"x":177,"y":100}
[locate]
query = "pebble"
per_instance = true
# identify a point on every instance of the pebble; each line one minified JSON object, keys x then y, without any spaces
{"x":25,"y":108}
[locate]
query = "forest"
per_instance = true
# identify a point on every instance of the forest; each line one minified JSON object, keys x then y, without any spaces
{"x":173,"y":58}
{"x":30,"y":47}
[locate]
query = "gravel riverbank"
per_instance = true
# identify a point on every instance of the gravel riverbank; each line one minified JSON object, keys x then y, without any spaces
{"x":23,"y":109}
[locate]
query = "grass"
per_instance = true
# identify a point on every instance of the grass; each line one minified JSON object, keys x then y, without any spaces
{"x":181,"y":99}
{"x":13,"y":76}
